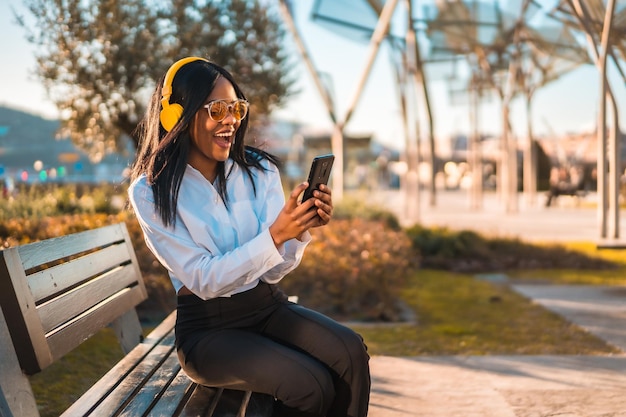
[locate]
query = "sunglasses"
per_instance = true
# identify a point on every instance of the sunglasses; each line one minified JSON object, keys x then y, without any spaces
{"x":219,"y":109}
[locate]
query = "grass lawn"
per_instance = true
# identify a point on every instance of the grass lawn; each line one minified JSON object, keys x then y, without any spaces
{"x":581,"y":276}
{"x":456,"y":314}
{"x":63,"y":382}
{"x":459,"y":315}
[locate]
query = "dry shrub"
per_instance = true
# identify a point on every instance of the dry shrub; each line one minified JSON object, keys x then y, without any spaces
{"x":353,"y":269}
{"x":468,"y":251}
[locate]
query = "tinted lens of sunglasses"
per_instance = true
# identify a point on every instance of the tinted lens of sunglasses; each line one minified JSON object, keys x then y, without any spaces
{"x":219,"y":109}
{"x":239,"y":109}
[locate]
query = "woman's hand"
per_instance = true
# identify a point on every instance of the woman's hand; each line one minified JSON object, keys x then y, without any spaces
{"x":295,"y":218}
{"x":324,"y":205}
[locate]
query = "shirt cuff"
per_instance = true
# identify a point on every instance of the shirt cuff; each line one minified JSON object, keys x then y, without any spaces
{"x":264,"y":248}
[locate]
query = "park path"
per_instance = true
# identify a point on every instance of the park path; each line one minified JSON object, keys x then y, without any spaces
{"x":513,"y":386}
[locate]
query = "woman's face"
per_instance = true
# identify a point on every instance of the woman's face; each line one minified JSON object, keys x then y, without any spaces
{"x":211,"y":141}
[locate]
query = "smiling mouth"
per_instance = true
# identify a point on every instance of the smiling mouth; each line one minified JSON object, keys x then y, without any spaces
{"x":225,"y":135}
{"x":224,"y":140}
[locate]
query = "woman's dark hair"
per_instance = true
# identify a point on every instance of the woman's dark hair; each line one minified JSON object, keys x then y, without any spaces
{"x":163,"y":155}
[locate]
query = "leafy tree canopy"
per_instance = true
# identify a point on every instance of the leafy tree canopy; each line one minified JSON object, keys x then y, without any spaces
{"x":99,"y":60}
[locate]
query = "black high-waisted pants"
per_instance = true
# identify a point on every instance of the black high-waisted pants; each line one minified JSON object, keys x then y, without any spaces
{"x":259,"y":341}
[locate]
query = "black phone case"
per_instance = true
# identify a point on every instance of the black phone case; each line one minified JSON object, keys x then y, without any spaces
{"x":319,"y":174}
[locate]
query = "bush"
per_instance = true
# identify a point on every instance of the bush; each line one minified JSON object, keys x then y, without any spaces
{"x":352,"y":208}
{"x":35,"y":201}
{"x":467,"y":251}
{"x":353,"y":269}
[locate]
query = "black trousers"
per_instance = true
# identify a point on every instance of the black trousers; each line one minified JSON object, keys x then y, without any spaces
{"x":259,"y":341}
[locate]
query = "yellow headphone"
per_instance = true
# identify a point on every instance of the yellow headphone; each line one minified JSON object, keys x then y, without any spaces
{"x":171,"y":113}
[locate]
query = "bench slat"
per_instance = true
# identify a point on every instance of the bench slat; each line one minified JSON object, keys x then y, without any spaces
{"x":63,"y":340}
{"x":152,"y":390}
{"x":59,"y":278}
{"x":39,"y":253}
{"x":176,"y":393}
{"x":127,"y":387}
{"x":112,"y":378}
{"x":200,"y":402}
{"x":90,"y":399}
{"x":258,"y":405}
{"x":229,"y":400}
{"x":71,"y":304}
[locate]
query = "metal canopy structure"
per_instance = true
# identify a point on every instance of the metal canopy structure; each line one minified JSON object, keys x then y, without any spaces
{"x":511,"y":55}
{"x":371,"y":21}
{"x":351,"y":19}
{"x":513,"y":48}
{"x":604,"y":27}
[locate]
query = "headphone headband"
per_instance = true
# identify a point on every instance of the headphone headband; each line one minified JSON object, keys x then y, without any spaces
{"x":170,"y":113}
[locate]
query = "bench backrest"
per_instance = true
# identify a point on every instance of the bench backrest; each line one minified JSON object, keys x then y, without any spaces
{"x":57,"y":293}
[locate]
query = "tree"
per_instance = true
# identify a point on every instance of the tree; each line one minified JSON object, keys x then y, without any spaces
{"x":99,"y":60}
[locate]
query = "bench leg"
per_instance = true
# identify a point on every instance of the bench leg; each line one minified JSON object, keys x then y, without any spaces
{"x":227,"y":402}
{"x":4,"y":406}
{"x":16,"y":396}
{"x":244,"y":404}
{"x":128,"y":330}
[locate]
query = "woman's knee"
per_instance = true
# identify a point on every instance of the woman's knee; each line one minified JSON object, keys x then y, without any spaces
{"x":311,"y":391}
{"x":355,"y":350}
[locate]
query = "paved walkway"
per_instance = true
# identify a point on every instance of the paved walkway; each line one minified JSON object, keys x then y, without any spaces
{"x":601,"y":310}
{"x":499,"y":386}
{"x":515,"y":386}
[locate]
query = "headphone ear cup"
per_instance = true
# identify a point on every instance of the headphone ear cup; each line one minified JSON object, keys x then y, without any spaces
{"x":170,"y":115}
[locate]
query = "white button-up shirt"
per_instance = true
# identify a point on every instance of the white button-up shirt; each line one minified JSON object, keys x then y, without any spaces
{"x":213,"y":250}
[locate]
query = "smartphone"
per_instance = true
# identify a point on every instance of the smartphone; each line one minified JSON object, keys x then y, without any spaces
{"x":319,"y":174}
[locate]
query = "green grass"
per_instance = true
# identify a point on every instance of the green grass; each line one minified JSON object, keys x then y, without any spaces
{"x":63,"y":382}
{"x":459,"y":315}
{"x":571,"y":276}
{"x":581,"y":276}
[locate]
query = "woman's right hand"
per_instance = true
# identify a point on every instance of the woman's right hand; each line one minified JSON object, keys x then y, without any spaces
{"x":294,"y":219}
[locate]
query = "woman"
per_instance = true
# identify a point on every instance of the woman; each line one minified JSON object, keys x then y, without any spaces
{"x":214,"y":213}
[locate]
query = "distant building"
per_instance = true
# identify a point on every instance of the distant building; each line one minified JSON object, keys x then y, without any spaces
{"x":30,"y":152}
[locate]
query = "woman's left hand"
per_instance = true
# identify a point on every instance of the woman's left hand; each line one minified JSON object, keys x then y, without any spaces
{"x":323,"y":205}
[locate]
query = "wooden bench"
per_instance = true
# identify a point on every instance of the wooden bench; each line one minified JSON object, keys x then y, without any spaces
{"x":575,"y":193}
{"x":57,"y":293}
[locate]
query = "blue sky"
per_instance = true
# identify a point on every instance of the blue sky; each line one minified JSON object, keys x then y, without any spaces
{"x":565,"y":106}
